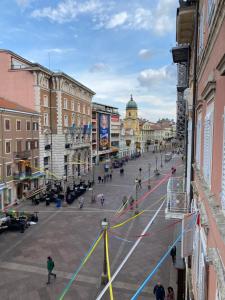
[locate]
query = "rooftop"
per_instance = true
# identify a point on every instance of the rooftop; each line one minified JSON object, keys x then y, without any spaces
{"x":9,"y":105}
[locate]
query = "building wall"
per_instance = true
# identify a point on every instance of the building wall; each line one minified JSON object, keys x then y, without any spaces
{"x":16,"y":84}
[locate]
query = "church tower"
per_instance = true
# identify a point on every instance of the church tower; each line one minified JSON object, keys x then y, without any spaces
{"x":131,"y":119}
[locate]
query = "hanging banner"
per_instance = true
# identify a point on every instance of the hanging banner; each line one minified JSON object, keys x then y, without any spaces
{"x":104,"y":131}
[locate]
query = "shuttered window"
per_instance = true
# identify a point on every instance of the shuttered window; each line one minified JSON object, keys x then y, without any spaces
{"x":198,"y":140}
{"x":223,"y":167}
{"x":208,"y":144}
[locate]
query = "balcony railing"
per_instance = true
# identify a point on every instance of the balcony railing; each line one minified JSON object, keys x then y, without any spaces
{"x":176,"y":205}
{"x":22,"y":175}
{"x":22,"y":154}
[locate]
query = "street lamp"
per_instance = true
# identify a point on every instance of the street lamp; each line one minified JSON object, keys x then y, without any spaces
{"x":136,"y":197}
{"x":156,"y":171}
{"x":93,"y":183}
{"x":161,"y":161}
{"x":149,"y":174}
{"x":104,"y":277}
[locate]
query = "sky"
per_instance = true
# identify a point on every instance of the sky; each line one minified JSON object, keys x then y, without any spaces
{"x":114,"y":47}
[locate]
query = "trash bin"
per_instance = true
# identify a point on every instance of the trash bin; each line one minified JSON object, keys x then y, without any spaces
{"x":58,"y":202}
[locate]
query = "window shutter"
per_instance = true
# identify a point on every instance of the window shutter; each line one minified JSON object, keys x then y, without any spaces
{"x":198,"y":140}
{"x":208,"y":146}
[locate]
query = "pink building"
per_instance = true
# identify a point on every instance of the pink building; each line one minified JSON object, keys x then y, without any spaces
{"x":205,"y":62}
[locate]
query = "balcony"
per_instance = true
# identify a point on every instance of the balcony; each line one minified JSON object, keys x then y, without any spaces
{"x":185,"y":21}
{"x":21,"y":155}
{"x":176,"y":205}
{"x":22,"y":175}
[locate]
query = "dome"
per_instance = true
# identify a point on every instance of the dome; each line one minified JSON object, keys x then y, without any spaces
{"x":131,"y":104}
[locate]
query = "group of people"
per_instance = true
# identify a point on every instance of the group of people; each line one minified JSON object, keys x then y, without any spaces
{"x":160,"y":293}
{"x":105,"y":178}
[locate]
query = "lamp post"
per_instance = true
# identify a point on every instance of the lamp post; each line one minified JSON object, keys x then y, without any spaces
{"x":156,"y":166}
{"x":104,"y":277}
{"x":136,"y":197}
{"x":64,"y":186}
{"x":93,"y":183}
{"x":161,"y":161}
{"x":149,"y":174}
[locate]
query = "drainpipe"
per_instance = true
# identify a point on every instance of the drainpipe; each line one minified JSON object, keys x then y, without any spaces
{"x":194,"y":96}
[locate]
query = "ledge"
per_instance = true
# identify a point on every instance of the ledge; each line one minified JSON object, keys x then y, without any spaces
{"x":221,"y":66}
{"x":209,"y":91}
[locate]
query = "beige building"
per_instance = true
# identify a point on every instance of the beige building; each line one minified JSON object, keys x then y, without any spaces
{"x":19,"y":152}
{"x":64,"y":105}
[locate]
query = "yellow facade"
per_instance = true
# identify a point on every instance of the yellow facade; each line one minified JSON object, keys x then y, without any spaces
{"x":131,"y":120}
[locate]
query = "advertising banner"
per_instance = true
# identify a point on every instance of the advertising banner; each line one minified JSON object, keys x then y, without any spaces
{"x":104,"y":131}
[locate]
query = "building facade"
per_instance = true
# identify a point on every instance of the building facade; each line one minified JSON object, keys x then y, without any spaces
{"x":19,"y":152}
{"x":200,"y":38}
{"x":64,"y":105}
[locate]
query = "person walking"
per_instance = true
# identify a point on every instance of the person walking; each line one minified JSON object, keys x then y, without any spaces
{"x":102,"y":200}
{"x":99,"y":179}
{"x":50,"y":267}
{"x":170,"y":294}
{"x":81,"y":202}
{"x":173,"y":253}
{"x":110,"y":176}
{"x":159,"y":292}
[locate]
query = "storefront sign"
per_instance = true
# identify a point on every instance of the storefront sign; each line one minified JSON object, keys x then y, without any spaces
{"x":104,"y":131}
{"x":115,"y":118}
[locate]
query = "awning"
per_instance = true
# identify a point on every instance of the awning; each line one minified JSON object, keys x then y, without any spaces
{"x":37,"y":174}
{"x":2,"y":186}
{"x":34,"y":193}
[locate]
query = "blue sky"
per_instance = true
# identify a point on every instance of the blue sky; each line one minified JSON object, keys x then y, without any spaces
{"x":115,"y":47}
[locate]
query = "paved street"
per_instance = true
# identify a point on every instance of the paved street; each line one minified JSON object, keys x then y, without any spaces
{"x":67,"y":233}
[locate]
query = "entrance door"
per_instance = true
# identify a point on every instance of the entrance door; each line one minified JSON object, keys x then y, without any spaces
{"x":19,"y":190}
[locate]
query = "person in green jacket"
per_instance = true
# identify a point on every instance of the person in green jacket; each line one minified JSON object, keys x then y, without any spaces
{"x":50,"y":267}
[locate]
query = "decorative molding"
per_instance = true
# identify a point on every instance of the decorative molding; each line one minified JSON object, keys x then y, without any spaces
{"x":209,"y":91}
{"x":221,"y":66}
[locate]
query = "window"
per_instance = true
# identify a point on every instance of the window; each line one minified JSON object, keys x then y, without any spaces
{"x":84,"y":109}
{"x":73,"y":118}
{"x":45,"y":119}
{"x":208,"y":143}
{"x":198,"y":140}
{"x":28,"y":125}
{"x":88,"y":111}
{"x":19,"y":146}
{"x":7,"y":124}
{"x":35,"y":144}
{"x":65,"y":103}
{"x":28,"y":145}
{"x":201,"y":31}
{"x":18,"y":125}
{"x":8,"y":170}
{"x":46,"y":159}
{"x":7,"y":147}
{"x":72,"y":105}
{"x":45,"y":101}
{"x":66,"y":122}
{"x":35,"y":126}
{"x":78,"y":107}
{"x":36,"y":162}
{"x":211,"y":6}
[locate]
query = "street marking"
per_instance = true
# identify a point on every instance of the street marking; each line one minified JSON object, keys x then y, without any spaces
{"x":65,"y":275}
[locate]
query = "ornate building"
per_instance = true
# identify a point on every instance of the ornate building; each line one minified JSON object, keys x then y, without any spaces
{"x":131,"y":120}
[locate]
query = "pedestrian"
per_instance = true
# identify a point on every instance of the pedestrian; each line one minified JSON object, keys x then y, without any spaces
{"x":131,"y":203}
{"x":159,"y":292}
{"x":81,"y":202}
{"x":50,"y":267}
{"x":173,"y":254}
{"x":139,"y":183}
{"x":99,"y":179}
{"x":102,"y":179}
{"x":110,"y":176}
{"x":170,"y":294}
{"x":102,"y":200}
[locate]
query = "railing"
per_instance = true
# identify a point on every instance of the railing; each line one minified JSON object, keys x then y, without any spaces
{"x":176,"y":198}
{"x":22,"y":154}
{"x":22,"y":175}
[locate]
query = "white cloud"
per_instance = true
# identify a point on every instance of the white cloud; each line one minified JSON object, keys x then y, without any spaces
{"x":59,"y":50}
{"x":117,"y":20}
{"x":145,"y":54}
{"x":67,"y":10}
{"x":155,"y":77}
{"x":99,"y":67}
{"x":24,"y":3}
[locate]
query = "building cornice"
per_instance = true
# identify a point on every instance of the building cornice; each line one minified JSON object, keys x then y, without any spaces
{"x":209,"y":91}
{"x":221,"y":66}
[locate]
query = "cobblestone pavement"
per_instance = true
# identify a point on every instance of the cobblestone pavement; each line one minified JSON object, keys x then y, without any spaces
{"x":66,"y":234}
